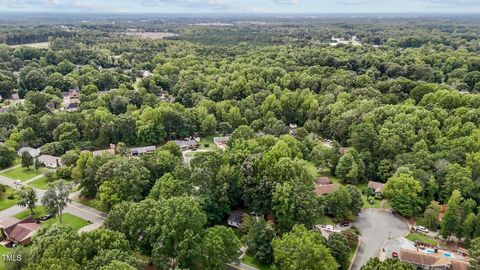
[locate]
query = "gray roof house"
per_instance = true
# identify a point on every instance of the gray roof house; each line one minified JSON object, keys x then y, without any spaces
{"x":50,"y":161}
{"x":32,"y":151}
{"x":187,"y":144}
{"x":236,"y":218}
{"x":138,"y":151}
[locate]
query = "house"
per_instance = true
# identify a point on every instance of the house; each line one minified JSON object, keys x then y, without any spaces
{"x":72,"y":94}
{"x":343,"y":150}
{"x":51,"y":106}
{"x":353,"y":41}
{"x":186,"y":144}
{"x":236,"y":217}
{"x":18,"y":231}
{"x":138,"y":151}
{"x":326,"y":189}
{"x":321,"y":181}
{"x":72,"y":106}
{"x":376,"y":187}
{"x":221,"y":142}
{"x":32,"y":151}
{"x":432,"y":261}
{"x":50,"y":161}
{"x":15,"y":96}
{"x":104,"y":152}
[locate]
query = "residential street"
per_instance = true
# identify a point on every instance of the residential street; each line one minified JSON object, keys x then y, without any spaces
{"x":74,"y":208}
{"x":376,"y":226}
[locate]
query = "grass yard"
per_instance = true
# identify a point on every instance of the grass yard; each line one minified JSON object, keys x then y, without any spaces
{"x":207,"y":140}
{"x":67,"y":219}
{"x":422,"y":238}
{"x":253,"y":262}
{"x":324,"y":220}
{"x":328,"y":174}
{"x":5,"y":202}
{"x":23,"y":174}
{"x":366,"y":204}
{"x":41,"y":183}
{"x":351,"y":253}
{"x":3,"y":251}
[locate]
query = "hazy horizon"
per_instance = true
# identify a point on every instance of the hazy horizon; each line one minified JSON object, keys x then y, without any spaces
{"x":243,"y":6}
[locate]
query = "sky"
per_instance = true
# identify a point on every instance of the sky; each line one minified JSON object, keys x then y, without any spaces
{"x":243,"y":6}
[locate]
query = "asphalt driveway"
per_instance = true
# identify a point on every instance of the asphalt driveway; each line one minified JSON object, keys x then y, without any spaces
{"x":376,"y":226}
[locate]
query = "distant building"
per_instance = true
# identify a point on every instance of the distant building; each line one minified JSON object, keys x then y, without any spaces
{"x":376,"y":187}
{"x":432,"y":261}
{"x":19,"y":231}
{"x":221,"y":142}
{"x":186,"y":144}
{"x":326,"y":189}
{"x":352,"y":41}
{"x":32,"y":151}
{"x":15,"y":96}
{"x":343,"y":150}
{"x":50,"y":161}
{"x":321,"y":181}
{"x":138,"y":151}
{"x":103,"y":152}
{"x":236,"y":218}
{"x":72,"y":106}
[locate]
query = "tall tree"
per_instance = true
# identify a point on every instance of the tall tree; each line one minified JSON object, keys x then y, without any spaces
{"x":290,"y":251}
{"x":452,"y":217}
{"x":57,"y":198}
{"x":403,"y":192}
{"x":27,"y":160}
{"x":27,"y":198}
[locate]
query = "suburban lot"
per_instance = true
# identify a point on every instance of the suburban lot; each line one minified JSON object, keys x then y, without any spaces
{"x":376,"y":226}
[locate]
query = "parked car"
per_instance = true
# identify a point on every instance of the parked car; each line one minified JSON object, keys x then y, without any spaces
{"x":18,"y":182}
{"x":46,"y":217}
{"x":394,"y":254}
{"x":422,"y":229}
{"x":371,"y":201}
{"x":344,"y":224}
{"x":329,"y":228}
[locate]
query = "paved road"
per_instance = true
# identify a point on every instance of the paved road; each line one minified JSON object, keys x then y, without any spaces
{"x":376,"y":226}
{"x":74,"y":208}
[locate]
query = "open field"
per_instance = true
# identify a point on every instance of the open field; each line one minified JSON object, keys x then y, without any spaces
{"x":5,"y":202}
{"x":3,"y":251}
{"x":151,"y":35}
{"x":23,"y":174}
{"x":38,"y":45}
{"x":67,"y":219}
{"x":41,"y":183}
{"x":422,"y":238}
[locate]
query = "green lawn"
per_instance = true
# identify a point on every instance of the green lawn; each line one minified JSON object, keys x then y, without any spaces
{"x":351,"y":253}
{"x":207,"y":140}
{"x":6,"y":202}
{"x":41,"y":183}
{"x":422,"y":238}
{"x":23,"y":174}
{"x":67,"y":219}
{"x":253,"y":262}
{"x":324,"y":220}
{"x":3,"y":251}
{"x":366,"y":204}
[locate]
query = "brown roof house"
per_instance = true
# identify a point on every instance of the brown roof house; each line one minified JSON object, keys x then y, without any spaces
{"x":321,"y":181}
{"x":376,"y":187}
{"x":326,"y":189}
{"x":432,"y":261}
{"x":18,"y":231}
{"x":221,"y":142}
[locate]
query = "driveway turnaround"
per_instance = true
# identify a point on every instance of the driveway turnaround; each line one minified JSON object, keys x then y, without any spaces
{"x":376,"y":226}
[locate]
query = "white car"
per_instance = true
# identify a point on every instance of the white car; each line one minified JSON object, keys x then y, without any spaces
{"x":422,"y":229}
{"x":18,"y":182}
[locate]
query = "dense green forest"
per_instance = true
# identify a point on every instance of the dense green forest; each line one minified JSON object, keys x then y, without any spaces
{"x":405,"y":103}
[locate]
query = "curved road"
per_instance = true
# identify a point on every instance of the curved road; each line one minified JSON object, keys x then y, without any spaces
{"x":376,"y":226}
